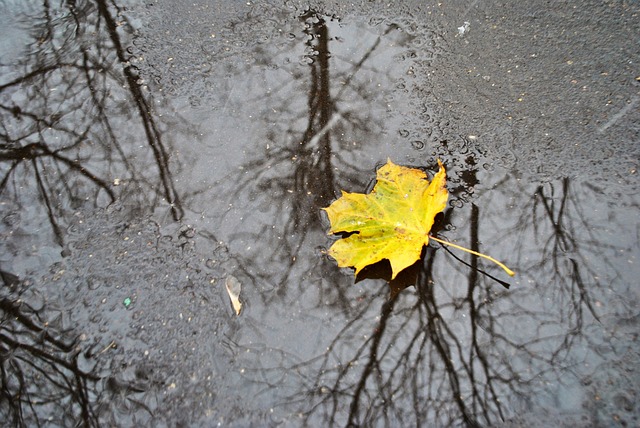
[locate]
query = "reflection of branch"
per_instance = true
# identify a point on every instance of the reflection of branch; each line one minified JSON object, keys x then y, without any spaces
{"x":43,"y":193}
{"x":48,"y":374}
{"x":35,"y":73}
{"x":37,"y":150}
{"x":373,"y":364}
{"x":154,"y":137}
{"x":563,"y":243}
{"x":437,"y":332}
{"x":357,"y":66}
{"x":40,"y":371}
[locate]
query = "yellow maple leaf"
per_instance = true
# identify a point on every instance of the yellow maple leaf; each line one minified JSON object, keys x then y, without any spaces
{"x":392,"y":222}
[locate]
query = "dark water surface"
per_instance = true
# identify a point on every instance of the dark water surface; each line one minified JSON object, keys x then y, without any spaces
{"x":154,"y":154}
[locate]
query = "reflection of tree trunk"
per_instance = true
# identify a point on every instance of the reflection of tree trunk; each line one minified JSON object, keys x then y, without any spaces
{"x":154,"y":136}
{"x":440,"y":335}
{"x":326,"y":110}
{"x":490,"y":394}
{"x":473,"y":273}
{"x":316,"y":141}
{"x":373,"y":365}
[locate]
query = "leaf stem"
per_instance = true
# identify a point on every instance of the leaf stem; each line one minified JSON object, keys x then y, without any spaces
{"x":506,"y":269}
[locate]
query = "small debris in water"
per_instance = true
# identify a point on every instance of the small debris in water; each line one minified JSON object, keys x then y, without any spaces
{"x":234,"y":287}
{"x":465,"y":28}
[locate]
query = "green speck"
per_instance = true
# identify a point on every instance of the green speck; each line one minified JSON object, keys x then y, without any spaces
{"x":126,"y":302}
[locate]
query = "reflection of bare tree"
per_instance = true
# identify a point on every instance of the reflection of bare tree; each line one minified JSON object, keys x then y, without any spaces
{"x":456,"y":350}
{"x":152,"y":133}
{"x":41,"y":374}
{"x":461,"y":350}
{"x":413,"y":349}
{"x":562,"y":242}
{"x":309,"y":160}
{"x":448,"y":373}
{"x":62,"y":119}
{"x":69,"y":140}
{"x":50,"y":376}
{"x":444,"y":350}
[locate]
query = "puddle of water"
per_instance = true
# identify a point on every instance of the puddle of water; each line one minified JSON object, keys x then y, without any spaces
{"x":150,"y":157}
